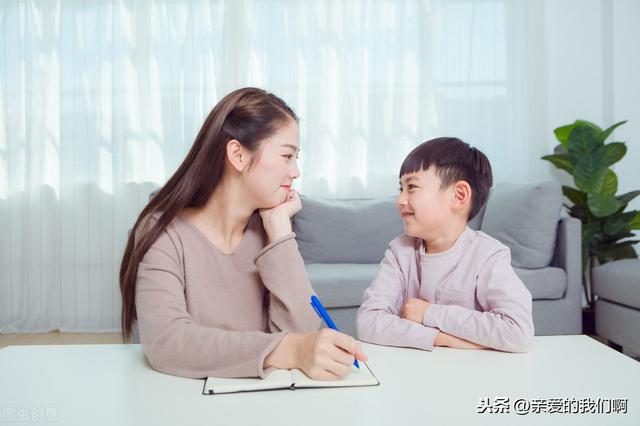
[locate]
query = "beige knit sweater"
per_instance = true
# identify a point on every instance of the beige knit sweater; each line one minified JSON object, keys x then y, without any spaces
{"x":202,"y":312}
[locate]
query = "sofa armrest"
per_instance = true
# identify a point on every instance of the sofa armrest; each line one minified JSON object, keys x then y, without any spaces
{"x":568,"y":254}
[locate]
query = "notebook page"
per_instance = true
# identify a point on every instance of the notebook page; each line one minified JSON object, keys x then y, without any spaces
{"x":356,"y":377}
{"x":278,"y":379}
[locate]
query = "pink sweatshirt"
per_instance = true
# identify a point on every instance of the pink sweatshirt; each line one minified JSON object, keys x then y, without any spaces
{"x":474,"y":294}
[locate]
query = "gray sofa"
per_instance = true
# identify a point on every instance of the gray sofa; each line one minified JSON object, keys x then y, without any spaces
{"x":343,"y":242}
{"x":617,"y":285}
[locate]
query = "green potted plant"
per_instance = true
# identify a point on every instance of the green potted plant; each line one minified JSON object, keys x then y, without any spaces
{"x":606,"y":226}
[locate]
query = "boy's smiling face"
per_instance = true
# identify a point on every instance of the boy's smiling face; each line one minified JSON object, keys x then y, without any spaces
{"x":425,"y":208}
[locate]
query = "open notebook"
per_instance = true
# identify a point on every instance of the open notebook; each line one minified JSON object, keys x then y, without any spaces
{"x":288,"y":379}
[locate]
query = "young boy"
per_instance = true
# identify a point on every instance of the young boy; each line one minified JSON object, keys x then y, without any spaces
{"x":442,"y":283}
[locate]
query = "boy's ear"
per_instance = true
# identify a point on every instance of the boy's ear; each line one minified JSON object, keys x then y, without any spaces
{"x":237,"y":155}
{"x":461,"y":194}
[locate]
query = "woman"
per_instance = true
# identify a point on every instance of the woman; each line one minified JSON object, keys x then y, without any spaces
{"x":212,"y":273}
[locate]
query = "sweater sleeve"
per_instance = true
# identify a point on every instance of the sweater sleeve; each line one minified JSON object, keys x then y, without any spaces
{"x":379,"y":318}
{"x":506,"y":323}
{"x":283,"y":274}
{"x":173,"y":342}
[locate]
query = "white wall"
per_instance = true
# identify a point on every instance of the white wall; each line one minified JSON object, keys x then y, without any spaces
{"x":592,"y":71}
{"x":573,"y":49}
{"x":626,"y":90}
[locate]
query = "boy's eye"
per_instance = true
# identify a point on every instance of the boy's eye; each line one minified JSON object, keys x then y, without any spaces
{"x":409,"y":187}
{"x":290,"y":157}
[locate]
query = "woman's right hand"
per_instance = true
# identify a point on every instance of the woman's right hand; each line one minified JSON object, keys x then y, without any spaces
{"x":328,"y":354}
{"x":322,"y":355}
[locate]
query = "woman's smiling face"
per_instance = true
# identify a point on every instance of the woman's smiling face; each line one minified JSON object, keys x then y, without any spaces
{"x":271,"y":177}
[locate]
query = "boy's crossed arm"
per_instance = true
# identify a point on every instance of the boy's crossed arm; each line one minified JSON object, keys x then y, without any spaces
{"x":414,"y":310}
{"x":506,"y":323}
{"x":380,"y":319}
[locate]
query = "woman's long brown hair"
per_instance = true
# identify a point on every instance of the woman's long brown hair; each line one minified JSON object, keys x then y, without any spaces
{"x":247,"y":115}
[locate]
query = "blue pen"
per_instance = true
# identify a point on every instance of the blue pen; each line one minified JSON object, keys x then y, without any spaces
{"x":322,"y":313}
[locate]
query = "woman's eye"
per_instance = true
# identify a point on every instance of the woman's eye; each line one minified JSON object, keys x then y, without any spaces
{"x":288,"y":157}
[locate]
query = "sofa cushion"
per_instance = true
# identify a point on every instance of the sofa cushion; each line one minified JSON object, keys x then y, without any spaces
{"x":618,"y":282}
{"x":544,"y":283}
{"x":346,"y":231}
{"x":476,"y":222}
{"x":341,"y":284}
{"x":525,"y":218}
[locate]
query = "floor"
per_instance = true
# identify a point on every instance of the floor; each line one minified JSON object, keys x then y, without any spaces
{"x":58,"y":338}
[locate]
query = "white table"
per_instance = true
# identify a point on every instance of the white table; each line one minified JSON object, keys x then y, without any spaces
{"x":113,"y":384}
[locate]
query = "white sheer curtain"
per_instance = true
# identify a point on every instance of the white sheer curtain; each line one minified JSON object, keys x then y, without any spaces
{"x":100,"y":100}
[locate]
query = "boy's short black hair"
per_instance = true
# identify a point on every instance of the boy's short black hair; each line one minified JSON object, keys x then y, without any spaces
{"x":454,"y":160}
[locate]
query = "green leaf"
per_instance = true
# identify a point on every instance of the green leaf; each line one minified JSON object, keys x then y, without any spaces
{"x":609,"y":239}
{"x":602,"y":205}
{"x":562,"y":133}
{"x":635,"y":222}
{"x":560,"y":149}
{"x":613,"y":152}
{"x":561,"y":161}
{"x":585,"y":123}
{"x":628,"y":252}
{"x":610,"y":130}
{"x":623,"y":250}
{"x":589,"y":230}
{"x":574,"y":195}
{"x":610,"y":184}
{"x":626,"y":198}
{"x":581,"y":212}
{"x":583,"y":140}
{"x":589,"y":172}
{"x":617,"y":223}
{"x":607,"y":231}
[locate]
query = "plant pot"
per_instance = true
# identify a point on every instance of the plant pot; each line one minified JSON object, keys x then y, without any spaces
{"x":588,"y":320}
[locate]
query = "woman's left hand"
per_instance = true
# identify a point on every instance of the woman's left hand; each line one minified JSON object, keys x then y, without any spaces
{"x":277,"y":220}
